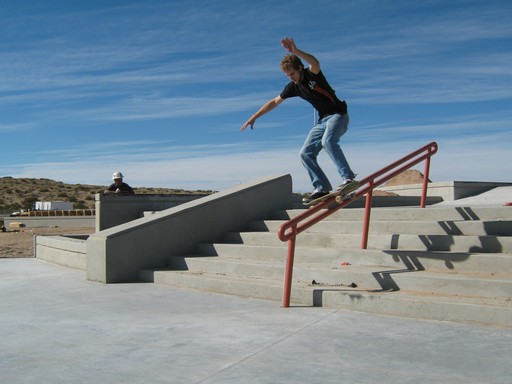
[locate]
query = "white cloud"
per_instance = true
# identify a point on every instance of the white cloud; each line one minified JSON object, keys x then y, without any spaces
{"x":197,"y":168}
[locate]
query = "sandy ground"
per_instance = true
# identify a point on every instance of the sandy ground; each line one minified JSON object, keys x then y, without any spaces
{"x":20,"y":243}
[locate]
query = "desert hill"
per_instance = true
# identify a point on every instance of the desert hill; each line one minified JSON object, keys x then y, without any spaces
{"x":22,"y":193}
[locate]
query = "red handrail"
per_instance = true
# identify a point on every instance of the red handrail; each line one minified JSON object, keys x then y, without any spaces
{"x":289,"y":230}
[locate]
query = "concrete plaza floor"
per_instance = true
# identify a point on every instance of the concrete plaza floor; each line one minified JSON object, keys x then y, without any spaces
{"x":56,"y":327}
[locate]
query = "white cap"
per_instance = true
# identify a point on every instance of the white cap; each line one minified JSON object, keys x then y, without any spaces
{"x":117,"y":175}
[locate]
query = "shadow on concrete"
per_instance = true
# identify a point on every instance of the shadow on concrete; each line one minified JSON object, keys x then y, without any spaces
{"x":386,"y":281}
{"x":412,"y":259}
{"x":467,"y":213}
{"x":318,"y":294}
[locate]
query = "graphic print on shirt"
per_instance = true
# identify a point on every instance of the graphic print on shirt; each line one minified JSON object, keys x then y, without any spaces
{"x":314,"y":87}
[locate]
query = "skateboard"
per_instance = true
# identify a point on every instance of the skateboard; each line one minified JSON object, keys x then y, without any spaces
{"x":341,"y":195}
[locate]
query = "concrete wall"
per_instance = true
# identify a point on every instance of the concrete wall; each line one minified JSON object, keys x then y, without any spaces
{"x":117,"y":254}
{"x":113,"y":210}
{"x":69,"y":251}
{"x":449,"y":191}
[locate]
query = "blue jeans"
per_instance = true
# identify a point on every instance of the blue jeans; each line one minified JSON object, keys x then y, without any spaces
{"x":326,"y":134}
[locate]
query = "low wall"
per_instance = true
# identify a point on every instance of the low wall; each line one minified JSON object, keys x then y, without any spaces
{"x":69,"y":251}
{"x":113,"y":210}
{"x":448,"y":191}
{"x":118,"y":254}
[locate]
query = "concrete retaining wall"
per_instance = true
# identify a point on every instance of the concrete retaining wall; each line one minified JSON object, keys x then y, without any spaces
{"x":449,"y":191}
{"x":69,"y":251}
{"x":113,"y":210}
{"x":118,"y":254}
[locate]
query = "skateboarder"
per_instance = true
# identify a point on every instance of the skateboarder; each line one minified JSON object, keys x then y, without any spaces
{"x":311,"y":85}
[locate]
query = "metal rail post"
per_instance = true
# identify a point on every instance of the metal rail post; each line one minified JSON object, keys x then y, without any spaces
{"x":289,"y":268}
{"x":425,"y":182}
{"x":367,"y":213}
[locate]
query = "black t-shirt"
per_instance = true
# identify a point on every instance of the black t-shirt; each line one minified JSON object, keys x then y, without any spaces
{"x":123,"y":187}
{"x":316,"y":90}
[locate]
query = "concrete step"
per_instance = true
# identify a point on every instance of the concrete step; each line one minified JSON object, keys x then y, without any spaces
{"x":69,"y":251}
{"x":483,"y":244}
{"x":494,"y":312}
{"x":445,"y":263}
{"x":468,"y":228}
{"x":462,"y":262}
{"x":369,"y":277}
{"x":411,"y":214}
{"x":254,"y":287}
{"x":381,"y":201}
{"x":421,"y":305}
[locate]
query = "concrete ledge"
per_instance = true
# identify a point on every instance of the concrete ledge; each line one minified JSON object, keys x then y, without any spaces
{"x":112,"y":210}
{"x":497,"y":196}
{"x":449,"y":191}
{"x":118,"y":254}
{"x":62,"y":250}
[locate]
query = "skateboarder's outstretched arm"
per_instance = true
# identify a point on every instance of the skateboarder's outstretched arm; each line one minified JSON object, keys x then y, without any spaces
{"x":266,"y":108}
{"x":295,"y":75}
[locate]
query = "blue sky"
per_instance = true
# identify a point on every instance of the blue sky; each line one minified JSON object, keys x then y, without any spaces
{"x":160,"y":89}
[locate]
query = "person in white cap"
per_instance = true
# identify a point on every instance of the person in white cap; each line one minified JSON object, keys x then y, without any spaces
{"x":118,"y":186}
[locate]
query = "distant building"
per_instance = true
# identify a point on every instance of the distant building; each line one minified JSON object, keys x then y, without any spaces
{"x":53,"y":205}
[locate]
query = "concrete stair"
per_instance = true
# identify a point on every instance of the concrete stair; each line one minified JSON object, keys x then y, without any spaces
{"x":447,"y":263}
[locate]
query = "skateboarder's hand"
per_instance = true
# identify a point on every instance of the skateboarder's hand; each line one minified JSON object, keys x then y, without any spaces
{"x":289,"y":44}
{"x":247,"y":124}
